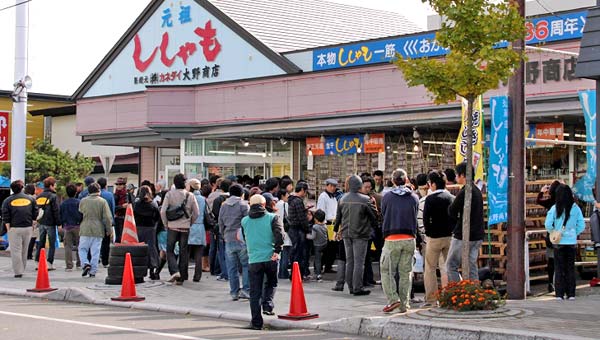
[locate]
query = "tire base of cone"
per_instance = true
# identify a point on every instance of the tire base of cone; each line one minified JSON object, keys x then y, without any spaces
{"x":43,"y":290}
{"x":130,"y":299}
{"x":297,"y":317}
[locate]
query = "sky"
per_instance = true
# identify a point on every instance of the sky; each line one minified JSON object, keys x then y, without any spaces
{"x":69,"y":38}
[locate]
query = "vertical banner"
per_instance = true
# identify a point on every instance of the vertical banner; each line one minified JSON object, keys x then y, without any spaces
{"x":498,"y":164}
{"x":461,"y":141}
{"x":583,"y":187}
{"x":4,"y":144}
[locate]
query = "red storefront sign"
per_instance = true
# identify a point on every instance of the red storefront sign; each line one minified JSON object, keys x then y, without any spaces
{"x":315,"y":146}
{"x":4,"y":144}
{"x":375,"y":143}
{"x":550,"y":131}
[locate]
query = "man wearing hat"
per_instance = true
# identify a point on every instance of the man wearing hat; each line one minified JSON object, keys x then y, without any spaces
{"x":328,"y":203}
{"x":87,"y":181}
{"x":120,"y":207}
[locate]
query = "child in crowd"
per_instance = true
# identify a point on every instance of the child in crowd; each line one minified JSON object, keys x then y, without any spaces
{"x":319,"y":238}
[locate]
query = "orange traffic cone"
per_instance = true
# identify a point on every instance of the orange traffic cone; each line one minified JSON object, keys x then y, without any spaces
{"x":130,"y":235}
{"x":128,"y":292}
{"x":298,"y":303}
{"x":42,"y":284}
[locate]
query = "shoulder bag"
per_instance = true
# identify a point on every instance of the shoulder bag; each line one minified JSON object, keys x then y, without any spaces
{"x":178,"y":212}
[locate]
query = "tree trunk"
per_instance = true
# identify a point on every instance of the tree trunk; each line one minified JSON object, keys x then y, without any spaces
{"x":466,"y":216}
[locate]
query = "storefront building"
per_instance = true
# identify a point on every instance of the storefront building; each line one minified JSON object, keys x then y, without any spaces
{"x":197,"y":93}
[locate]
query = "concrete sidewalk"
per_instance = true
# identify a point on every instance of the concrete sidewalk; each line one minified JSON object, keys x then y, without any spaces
{"x":536,"y":318}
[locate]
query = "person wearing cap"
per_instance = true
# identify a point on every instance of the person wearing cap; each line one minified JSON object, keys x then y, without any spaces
{"x":87,"y":181}
{"x":264,"y":239}
{"x":120,"y":207}
{"x":271,"y":189}
{"x":328,"y":202}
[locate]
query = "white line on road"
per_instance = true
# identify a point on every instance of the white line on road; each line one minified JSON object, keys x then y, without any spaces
{"x":81,"y":323}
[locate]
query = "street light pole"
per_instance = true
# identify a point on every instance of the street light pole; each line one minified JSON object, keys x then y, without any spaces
{"x":515,"y":273}
{"x":19,"y":114}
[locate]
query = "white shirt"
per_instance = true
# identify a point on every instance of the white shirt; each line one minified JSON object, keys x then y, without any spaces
{"x":328,"y":205}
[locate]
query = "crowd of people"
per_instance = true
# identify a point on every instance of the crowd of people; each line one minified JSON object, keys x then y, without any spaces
{"x":235,"y":225}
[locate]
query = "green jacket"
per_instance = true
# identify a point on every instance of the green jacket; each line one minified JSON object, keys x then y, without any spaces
{"x":97,"y":218}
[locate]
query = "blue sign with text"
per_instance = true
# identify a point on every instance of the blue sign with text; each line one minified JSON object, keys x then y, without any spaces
{"x":539,"y":30}
{"x":498,"y":164}
{"x":583,"y":188}
{"x":344,"y":145}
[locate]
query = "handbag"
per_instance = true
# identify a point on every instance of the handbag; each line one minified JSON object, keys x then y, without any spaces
{"x":556,"y":235}
{"x":210,"y":222}
{"x":178,"y":212}
{"x":41,"y":211}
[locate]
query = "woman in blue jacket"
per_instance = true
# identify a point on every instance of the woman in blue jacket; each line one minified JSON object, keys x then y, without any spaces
{"x":565,"y":216}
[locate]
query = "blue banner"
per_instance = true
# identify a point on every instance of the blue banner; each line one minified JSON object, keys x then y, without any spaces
{"x":498,"y":164}
{"x":344,"y":145}
{"x":583,"y":187}
{"x":539,"y":30}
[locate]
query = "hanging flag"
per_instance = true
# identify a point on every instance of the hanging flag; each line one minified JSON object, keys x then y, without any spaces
{"x":498,"y":163}
{"x":583,"y":188}
{"x":461,"y":141}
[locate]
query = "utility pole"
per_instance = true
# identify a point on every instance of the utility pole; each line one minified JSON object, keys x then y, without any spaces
{"x":19,"y":113}
{"x":515,"y":273}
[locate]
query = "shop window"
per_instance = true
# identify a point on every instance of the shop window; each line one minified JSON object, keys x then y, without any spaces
{"x":193,"y":147}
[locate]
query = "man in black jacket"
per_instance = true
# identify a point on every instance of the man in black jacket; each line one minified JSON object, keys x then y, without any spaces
{"x":50,"y":220}
{"x":438,"y":228}
{"x":299,"y":227}
{"x":18,"y":212}
{"x":477,"y":229}
{"x":356,"y":218}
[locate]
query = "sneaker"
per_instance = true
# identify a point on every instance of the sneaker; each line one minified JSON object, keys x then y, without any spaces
{"x":559,"y":298}
{"x":51,"y":267}
{"x":223,"y":279}
{"x":179,"y":283}
{"x":174,"y":277}
{"x":571,"y":298}
{"x":391,"y":307}
{"x":18,"y":276}
{"x":92,"y":275}
{"x":68,"y":269}
{"x":319,"y":278}
{"x":427,"y":305}
{"x":86,"y":270}
{"x":361,"y":292}
{"x":337,"y":289}
{"x":268,"y":312}
{"x":256,"y":328}
{"x":235,"y":297}
{"x":416,"y":300}
{"x":243,"y":295}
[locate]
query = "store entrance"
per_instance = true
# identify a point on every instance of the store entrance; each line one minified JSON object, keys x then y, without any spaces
{"x":241,"y":169}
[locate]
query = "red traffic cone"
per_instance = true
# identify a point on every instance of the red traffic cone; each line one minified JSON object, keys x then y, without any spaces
{"x":42,"y":284}
{"x":130,"y":235}
{"x":298,"y":303}
{"x":128,"y":292}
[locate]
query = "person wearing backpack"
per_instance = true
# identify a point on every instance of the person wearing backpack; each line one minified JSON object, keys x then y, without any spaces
{"x":48,"y":219}
{"x":564,"y":222}
{"x":178,"y":210}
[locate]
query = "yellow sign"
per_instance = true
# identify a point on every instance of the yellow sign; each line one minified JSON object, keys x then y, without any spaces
{"x":461,"y":141}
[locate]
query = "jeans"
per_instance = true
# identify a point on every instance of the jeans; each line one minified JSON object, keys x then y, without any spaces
{"x":356,"y":250}
{"x":71,"y":238}
{"x":455,"y":259}
{"x":50,"y":232}
{"x":298,"y":251}
{"x":178,"y":264}
{"x":261,"y":292}
{"x":319,"y":253}
{"x":564,"y":260}
{"x":148,"y":235}
{"x":436,"y":248}
{"x":92,"y":245}
{"x":397,"y":257}
{"x":222,"y":258}
{"x":284,"y":274}
{"x":18,"y":239}
{"x":236,"y":256}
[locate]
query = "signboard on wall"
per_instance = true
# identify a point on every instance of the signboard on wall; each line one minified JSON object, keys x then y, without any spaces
{"x":4,"y":138}
{"x":583,"y":186}
{"x":182,"y":43}
{"x":345,"y":145}
{"x":564,"y":26}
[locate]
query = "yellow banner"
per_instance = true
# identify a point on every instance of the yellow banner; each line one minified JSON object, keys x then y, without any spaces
{"x":461,"y":141}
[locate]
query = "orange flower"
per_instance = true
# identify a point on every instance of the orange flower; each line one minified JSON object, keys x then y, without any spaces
{"x":467,"y":302}
{"x":481,"y":299}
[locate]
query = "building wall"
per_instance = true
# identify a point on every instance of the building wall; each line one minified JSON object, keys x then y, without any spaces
{"x":148,"y":164}
{"x":64,"y":138}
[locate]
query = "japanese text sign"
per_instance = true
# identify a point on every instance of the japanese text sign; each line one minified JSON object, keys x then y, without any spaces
{"x":345,"y":145}
{"x":539,"y":30}
{"x":315,"y":145}
{"x":374,"y":143}
{"x":550,"y":131}
{"x":462,"y":142}
{"x":498,"y":164}
{"x":4,"y":142}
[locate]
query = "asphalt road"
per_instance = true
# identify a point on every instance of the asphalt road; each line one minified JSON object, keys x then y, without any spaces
{"x":26,"y":319}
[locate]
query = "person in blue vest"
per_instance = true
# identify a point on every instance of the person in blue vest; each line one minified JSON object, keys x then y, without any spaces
{"x":264,"y":239}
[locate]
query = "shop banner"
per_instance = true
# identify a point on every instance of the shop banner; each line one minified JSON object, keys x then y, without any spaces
{"x":583,"y":187}
{"x":550,"y":131}
{"x":315,"y":146}
{"x":4,"y":143}
{"x":344,"y":145}
{"x":374,"y":143}
{"x":498,"y":164}
{"x":461,"y":141}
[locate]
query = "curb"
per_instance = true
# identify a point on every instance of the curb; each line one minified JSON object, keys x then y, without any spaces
{"x":380,"y":327}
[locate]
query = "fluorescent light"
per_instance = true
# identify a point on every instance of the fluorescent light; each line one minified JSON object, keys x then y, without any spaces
{"x":262,"y":154}
{"x":223,"y":152}
{"x":438,"y":143}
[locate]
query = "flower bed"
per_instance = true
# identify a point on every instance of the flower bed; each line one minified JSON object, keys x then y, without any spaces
{"x":469,"y":295}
